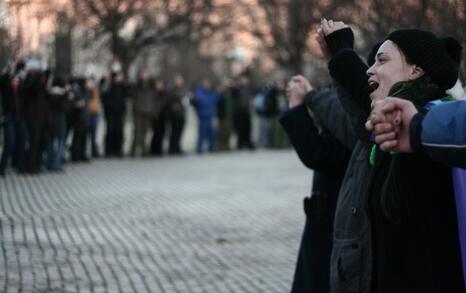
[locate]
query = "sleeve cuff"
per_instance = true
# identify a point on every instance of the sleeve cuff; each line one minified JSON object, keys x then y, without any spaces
{"x":340,"y":40}
{"x":415,"y":130}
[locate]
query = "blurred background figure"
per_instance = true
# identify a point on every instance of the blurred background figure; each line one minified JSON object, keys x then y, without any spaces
{"x":14,"y":119}
{"x":177,"y":114}
{"x":80,"y":112}
{"x":59,"y":102}
{"x":205,"y":102}
{"x":159,"y":122}
{"x":144,"y":102}
{"x":34,"y":91}
{"x":225,"y":117}
{"x":243,"y":97}
{"x":114,"y":103}
{"x":94,"y":114}
{"x":280,"y":137}
{"x":265,"y":105}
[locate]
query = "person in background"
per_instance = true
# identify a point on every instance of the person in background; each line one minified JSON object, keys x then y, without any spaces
{"x":176,"y":115}
{"x":143,"y":112}
{"x":205,"y":101}
{"x":225,"y":118}
{"x":114,"y":103}
{"x":14,"y":120}
{"x":265,"y":103}
{"x":34,"y":92}
{"x":82,"y":95}
{"x":243,"y":96}
{"x":159,"y":123}
{"x":279,"y":137}
{"x":58,"y":98}
{"x":94,"y":114}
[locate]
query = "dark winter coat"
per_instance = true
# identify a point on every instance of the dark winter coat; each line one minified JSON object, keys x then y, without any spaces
{"x":144,"y":100}
{"x":322,"y":152}
{"x":351,"y":261}
{"x":59,"y":103}
{"x":114,"y":99}
{"x":405,"y":192}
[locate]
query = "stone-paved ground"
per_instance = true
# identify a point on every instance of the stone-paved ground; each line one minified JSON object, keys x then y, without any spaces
{"x":211,"y":223}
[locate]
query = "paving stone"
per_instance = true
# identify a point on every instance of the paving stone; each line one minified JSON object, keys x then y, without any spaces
{"x":213,"y":223}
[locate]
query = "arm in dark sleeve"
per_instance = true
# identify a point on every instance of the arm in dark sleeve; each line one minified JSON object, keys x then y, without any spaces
{"x":317,"y":151}
{"x":349,"y":71}
{"x":347,"y":68}
{"x":330,"y":114}
{"x":441,"y":134}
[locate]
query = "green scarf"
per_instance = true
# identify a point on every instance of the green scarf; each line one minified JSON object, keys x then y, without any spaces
{"x":395,"y":204}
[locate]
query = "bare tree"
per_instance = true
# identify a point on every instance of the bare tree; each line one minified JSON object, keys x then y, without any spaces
{"x":133,"y":25}
{"x":284,"y":27}
{"x":376,"y":18}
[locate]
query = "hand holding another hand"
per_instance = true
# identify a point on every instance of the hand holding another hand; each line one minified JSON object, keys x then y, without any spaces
{"x":390,"y":120}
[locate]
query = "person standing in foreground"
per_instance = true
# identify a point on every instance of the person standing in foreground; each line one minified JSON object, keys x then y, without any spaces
{"x":322,"y":152}
{"x":412,"y":251}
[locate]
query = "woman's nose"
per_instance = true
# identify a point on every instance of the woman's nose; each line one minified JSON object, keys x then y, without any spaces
{"x":370,"y":71}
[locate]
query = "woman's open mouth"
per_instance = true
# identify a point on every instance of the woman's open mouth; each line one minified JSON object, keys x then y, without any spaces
{"x":373,"y":84}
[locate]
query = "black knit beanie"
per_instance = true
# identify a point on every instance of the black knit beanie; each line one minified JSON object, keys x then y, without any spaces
{"x":454,"y":49}
{"x":427,"y":51}
{"x":371,"y":57}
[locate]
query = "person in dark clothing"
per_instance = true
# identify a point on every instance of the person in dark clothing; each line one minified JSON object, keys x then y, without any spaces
{"x":159,"y":123}
{"x":59,"y":99}
{"x":176,"y":115}
{"x":341,"y":117}
{"x":411,"y":250}
{"x":80,"y":109}
{"x":34,"y":92}
{"x":114,"y":103}
{"x":439,"y":134}
{"x":243,"y":95}
{"x":14,"y":120}
{"x":322,"y":152}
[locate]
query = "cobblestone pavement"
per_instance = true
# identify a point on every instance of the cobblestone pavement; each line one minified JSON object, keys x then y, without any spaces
{"x":212,"y":223}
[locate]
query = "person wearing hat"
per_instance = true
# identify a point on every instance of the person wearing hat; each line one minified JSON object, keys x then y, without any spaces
{"x":408,"y":198}
{"x":438,"y":134}
{"x":321,"y":132}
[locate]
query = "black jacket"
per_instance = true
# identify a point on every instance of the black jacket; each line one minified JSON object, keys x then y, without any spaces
{"x":320,"y":151}
{"x":317,"y":149}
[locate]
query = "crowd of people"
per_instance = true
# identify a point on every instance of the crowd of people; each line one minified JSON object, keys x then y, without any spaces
{"x":387,"y":208}
{"x":382,"y":141}
{"x":48,"y":120}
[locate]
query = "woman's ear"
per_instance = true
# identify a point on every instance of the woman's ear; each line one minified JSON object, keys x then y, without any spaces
{"x":416,"y":72}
